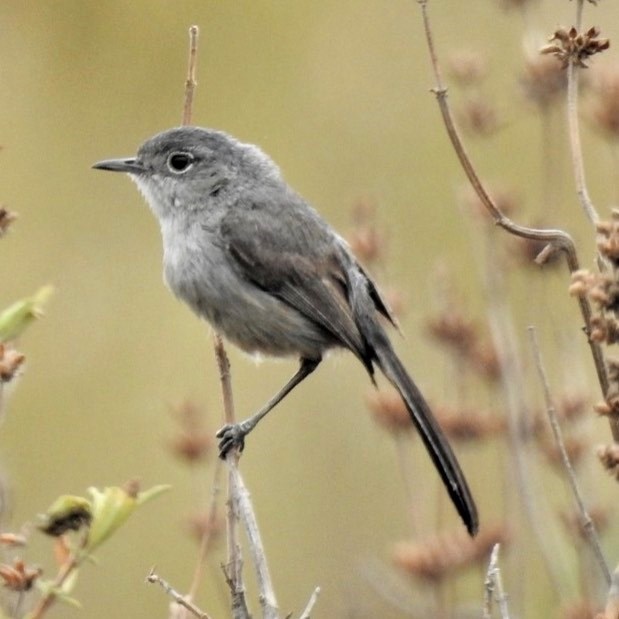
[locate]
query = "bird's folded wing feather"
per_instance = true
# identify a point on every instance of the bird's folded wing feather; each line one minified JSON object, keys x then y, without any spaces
{"x":289,"y":253}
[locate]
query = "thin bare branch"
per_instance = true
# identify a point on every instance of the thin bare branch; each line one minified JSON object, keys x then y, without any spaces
{"x":310,"y":604}
{"x":205,"y":542}
{"x":503,"y":335}
{"x":175,"y":595}
{"x":191,"y":82}
{"x":234,"y":568}
{"x":245,"y":512}
{"x":493,"y":587}
{"x":587,"y":522}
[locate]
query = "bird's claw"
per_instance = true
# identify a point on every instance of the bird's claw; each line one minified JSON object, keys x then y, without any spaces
{"x":231,"y":436}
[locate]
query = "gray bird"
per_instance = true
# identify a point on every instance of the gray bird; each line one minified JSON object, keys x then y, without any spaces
{"x":252,"y":257}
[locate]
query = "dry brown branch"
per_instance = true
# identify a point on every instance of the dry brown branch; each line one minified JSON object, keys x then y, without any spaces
{"x":234,"y":568}
{"x":558,"y":239}
{"x":191,"y":82}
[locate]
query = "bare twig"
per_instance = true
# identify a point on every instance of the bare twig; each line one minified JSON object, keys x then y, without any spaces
{"x":51,"y":594}
{"x":234,"y":568}
{"x":191,"y":82}
{"x":205,"y":542}
{"x":574,"y":129}
{"x":175,"y":595}
{"x":223,"y":363}
{"x":493,"y":587}
{"x":248,"y":517}
{"x":310,"y":605}
{"x":559,"y":239}
{"x":512,"y":382}
{"x":575,"y":144}
{"x":587,"y":522}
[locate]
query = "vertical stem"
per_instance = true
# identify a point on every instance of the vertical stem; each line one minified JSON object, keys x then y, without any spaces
{"x":191,"y":82}
{"x":587,"y":522}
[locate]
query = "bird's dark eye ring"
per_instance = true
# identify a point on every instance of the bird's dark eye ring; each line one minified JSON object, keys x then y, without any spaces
{"x":180,"y":162}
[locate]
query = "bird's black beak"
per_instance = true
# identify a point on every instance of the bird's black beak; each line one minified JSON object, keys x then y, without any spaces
{"x":130,"y":166}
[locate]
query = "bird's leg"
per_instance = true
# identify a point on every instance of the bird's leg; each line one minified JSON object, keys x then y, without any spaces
{"x":233,"y":435}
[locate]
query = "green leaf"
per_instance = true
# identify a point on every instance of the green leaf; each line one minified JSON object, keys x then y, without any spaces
{"x":111,"y":507}
{"x":66,"y":513}
{"x":14,"y":319}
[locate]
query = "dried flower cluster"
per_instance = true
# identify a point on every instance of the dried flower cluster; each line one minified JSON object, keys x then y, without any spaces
{"x":605,"y":104}
{"x":570,"y":409}
{"x":438,"y":557}
{"x":469,"y":424}
{"x":543,"y":81}
{"x":478,"y":117}
{"x":573,"y":523}
{"x":206,"y":524}
{"x":603,"y":291}
{"x":506,"y":200}
{"x":6,"y":219}
{"x":453,"y":329}
{"x":192,"y":442}
{"x":609,"y":457}
{"x":367,"y":242}
{"x":573,"y":46}
{"x":19,"y":577}
{"x":467,"y":67}
{"x":10,"y":362}
{"x":389,"y":411}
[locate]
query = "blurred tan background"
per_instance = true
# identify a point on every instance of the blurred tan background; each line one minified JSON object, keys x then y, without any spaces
{"x":338,"y":94}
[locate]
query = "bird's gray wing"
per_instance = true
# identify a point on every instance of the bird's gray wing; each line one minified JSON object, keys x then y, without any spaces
{"x":285,"y":249}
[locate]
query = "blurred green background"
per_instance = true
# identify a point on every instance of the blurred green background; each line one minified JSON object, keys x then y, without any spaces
{"x":338,"y":94}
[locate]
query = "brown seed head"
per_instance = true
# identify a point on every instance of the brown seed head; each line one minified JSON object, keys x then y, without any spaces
{"x":468,"y":424}
{"x":10,"y":362}
{"x":478,"y":117}
{"x":609,"y":457}
{"x":605,"y":102}
{"x":575,"y":448}
{"x":572,"y":46}
{"x":192,"y":442}
{"x":572,"y":406}
{"x":202,"y":524}
{"x":527,"y":252}
{"x":366,"y":240}
{"x":572,"y":521}
{"x":506,"y":201}
{"x":132,"y":487}
{"x":19,"y":577}
{"x":389,"y":411}
{"x":485,"y":359}
{"x":467,"y":67}
{"x":13,"y":539}
{"x":6,"y":219}
{"x":543,"y":81}
{"x":455,"y":330}
{"x":438,"y":557}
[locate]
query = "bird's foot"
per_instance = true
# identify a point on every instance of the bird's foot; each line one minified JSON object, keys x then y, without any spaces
{"x":231,"y":436}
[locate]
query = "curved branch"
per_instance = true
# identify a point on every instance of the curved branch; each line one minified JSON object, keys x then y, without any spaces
{"x":558,"y":239}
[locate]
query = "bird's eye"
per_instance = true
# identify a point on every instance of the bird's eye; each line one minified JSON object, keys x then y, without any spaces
{"x":180,"y":162}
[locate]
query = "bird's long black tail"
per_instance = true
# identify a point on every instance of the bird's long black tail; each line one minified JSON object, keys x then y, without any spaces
{"x":433,"y":437}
